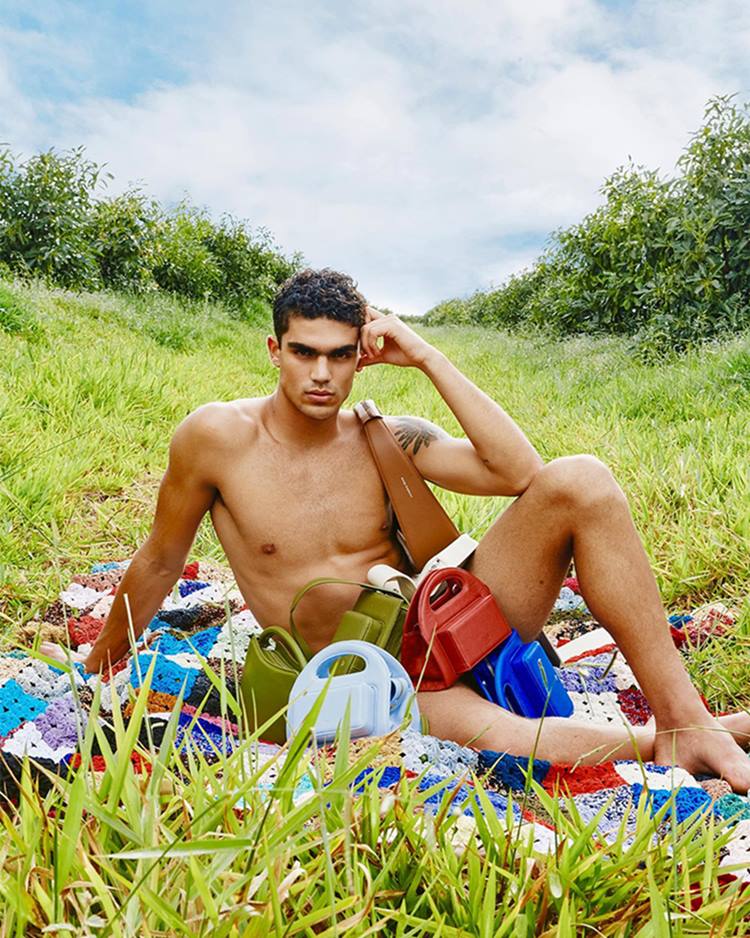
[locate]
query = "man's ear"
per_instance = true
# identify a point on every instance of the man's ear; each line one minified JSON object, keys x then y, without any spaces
{"x":274,"y":347}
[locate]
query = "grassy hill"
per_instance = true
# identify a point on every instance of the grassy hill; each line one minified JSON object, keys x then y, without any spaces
{"x":92,"y":386}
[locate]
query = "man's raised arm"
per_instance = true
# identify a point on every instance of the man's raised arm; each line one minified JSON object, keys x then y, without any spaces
{"x":496,"y":459}
{"x":185,"y":495}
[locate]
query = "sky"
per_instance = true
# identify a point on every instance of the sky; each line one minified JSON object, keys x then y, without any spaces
{"x":426,"y":147}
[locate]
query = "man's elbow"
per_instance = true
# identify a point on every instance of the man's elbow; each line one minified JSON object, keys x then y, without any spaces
{"x":524,"y":479}
{"x":167,"y":565}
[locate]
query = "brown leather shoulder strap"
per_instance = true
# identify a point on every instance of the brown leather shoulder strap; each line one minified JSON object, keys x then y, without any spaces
{"x":425,"y":528}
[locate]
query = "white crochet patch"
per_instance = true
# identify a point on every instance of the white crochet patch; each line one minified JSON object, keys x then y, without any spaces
{"x":213,"y":593}
{"x":596,"y":638}
{"x":635,"y":774}
{"x":39,"y":680}
{"x":567,"y":601}
{"x":102,"y":607}
{"x":184,"y":659}
{"x":545,"y":840}
{"x":120,"y":681}
{"x":235,"y":635}
{"x":738,"y":850}
{"x":10,"y":667}
{"x":27,"y":741}
{"x":597,"y":708}
{"x":81,"y":597}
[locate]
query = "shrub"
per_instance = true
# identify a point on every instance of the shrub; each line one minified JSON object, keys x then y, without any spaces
{"x":45,"y":205}
{"x":664,"y":260}
{"x":124,"y":233}
{"x":250,"y":266}
{"x":52,"y":226}
{"x":184,"y":262}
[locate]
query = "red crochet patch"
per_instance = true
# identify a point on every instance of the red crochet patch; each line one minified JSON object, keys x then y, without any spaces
{"x":572,"y":583}
{"x":84,"y":629}
{"x":582,"y":780}
{"x":590,"y":653}
{"x":191,"y":571}
{"x":117,"y":667}
{"x":634,"y":705}
{"x":99,"y":763}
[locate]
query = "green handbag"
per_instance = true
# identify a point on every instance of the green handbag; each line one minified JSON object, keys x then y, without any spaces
{"x":276,"y":656}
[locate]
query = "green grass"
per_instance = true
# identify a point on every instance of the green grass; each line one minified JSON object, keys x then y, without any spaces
{"x":90,"y":390}
{"x":205,"y":848}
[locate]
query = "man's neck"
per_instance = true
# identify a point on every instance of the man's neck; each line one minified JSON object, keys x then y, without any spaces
{"x":288,"y":425}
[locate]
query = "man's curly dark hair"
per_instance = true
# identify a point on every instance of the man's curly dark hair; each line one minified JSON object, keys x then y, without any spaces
{"x":316,"y":294}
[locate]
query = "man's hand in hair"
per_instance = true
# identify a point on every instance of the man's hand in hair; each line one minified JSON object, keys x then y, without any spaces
{"x":385,"y":340}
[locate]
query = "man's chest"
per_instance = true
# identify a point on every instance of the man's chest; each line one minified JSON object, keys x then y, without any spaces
{"x":277,"y":504}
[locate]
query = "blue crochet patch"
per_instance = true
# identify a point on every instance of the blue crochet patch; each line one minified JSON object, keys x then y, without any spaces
{"x":204,"y":735}
{"x":186,"y":587}
{"x":103,"y":567}
{"x":732,"y":806}
{"x":391,"y":774}
{"x":201,"y":643}
{"x":461,"y":794}
{"x":168,"y":677}
{"x":16,"y":706}
{"x":512,"y":771}
{"x":687,"y":801}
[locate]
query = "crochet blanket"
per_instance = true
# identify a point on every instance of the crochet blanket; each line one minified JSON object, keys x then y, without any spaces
{"x":42,"y":717}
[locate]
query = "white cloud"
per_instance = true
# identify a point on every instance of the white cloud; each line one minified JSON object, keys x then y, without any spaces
{"x":408,"y":142}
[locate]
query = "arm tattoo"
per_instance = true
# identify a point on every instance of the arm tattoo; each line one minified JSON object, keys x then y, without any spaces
{"x":411,"y":430}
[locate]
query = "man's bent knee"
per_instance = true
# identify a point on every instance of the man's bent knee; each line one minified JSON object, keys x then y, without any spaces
{"x":579,"y":482}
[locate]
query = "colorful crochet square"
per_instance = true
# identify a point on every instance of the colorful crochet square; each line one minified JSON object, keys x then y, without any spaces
{"x":565,"y":780}
{"x":16,"y":706}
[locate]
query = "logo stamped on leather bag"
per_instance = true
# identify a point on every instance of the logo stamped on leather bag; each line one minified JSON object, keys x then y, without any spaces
{"x":406,"y":486}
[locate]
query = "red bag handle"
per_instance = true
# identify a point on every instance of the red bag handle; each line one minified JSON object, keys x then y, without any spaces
{"x":424,"y":618}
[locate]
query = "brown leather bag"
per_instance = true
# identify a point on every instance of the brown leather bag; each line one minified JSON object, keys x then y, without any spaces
{"x":424,"y":527}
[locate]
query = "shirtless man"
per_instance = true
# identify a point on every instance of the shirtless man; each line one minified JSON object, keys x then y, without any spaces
{"x":294,"y":494}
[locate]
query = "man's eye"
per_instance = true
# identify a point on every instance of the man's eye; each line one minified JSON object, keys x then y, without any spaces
{"x":343,"y":354}
{"x":304,"y":352}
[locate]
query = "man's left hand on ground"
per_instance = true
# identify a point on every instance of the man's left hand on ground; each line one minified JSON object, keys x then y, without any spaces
{"x":386,"y":340}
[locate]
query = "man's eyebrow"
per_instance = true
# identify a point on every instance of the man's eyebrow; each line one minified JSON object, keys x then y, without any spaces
{"x":301,"y":347}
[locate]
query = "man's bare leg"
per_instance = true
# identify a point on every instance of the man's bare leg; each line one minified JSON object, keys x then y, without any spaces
{"x":461,"y":714}
{"x":575,"y":509}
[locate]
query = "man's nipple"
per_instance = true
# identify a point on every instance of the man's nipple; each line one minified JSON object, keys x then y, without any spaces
{"x":268,"y":548}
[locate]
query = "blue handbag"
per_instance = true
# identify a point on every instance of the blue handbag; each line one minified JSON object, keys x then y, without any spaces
{"x":518,"y":676}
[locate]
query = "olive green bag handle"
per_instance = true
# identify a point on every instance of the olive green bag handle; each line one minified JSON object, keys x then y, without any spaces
{"x":276,"y":656}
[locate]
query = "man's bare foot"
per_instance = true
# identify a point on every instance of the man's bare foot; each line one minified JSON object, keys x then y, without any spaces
{"x":707,"y":745}
{"x":738,"y":725}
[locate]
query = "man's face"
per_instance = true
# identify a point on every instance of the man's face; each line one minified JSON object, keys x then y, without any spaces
{"x":317,"y":360}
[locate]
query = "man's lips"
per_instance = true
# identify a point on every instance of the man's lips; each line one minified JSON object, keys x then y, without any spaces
{"x":320,"y":395}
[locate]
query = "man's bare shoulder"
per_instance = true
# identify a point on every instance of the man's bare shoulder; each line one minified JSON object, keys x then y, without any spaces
{"x":415,"y":433}
{"x":219,"y":424}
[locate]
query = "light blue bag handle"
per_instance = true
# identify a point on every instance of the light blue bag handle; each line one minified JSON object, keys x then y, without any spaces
{"x":380,"y":696}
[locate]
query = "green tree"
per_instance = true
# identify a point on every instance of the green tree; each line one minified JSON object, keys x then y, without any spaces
{"x":45,"y":205}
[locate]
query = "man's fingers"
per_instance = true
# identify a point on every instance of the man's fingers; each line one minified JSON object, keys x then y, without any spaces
{"x":58,"y":653}
{"x":368,"y":337}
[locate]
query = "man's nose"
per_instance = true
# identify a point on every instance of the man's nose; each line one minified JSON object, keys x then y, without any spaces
{"x":321,"y":371}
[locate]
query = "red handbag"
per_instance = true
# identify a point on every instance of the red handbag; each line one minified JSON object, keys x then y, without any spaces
{"x":452,"y":623}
